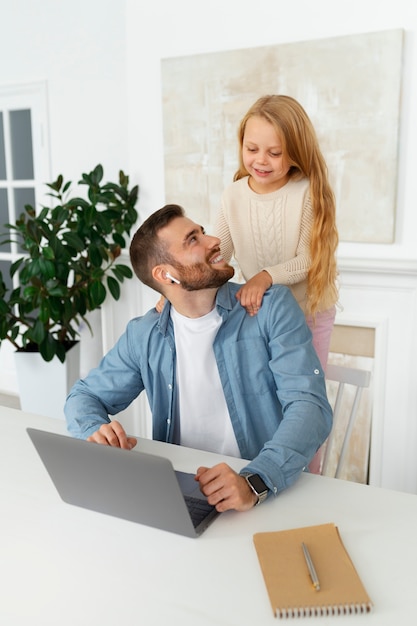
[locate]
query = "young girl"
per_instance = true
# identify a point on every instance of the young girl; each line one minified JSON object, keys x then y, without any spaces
{"x":278,"y":216}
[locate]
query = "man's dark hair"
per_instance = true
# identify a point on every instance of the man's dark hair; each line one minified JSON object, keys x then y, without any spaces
{"x":146,"y":249}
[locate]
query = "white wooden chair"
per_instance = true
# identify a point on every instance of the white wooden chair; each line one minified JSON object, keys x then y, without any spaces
{"x":358,"y":378}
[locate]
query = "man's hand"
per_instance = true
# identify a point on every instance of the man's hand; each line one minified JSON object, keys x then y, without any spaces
{"x":113,"y":434}
{"x":225,"y":489}
{"x":251,"y":293}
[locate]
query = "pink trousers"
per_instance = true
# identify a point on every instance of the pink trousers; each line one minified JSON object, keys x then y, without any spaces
{"x":321,"y":328}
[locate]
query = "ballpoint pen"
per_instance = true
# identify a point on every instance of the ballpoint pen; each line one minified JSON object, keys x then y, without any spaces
{"x":311,"y":568}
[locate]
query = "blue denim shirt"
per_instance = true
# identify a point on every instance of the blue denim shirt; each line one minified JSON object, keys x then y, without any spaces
{"x":272,"y":379}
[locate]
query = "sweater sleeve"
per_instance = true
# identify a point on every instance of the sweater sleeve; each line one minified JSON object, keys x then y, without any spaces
{"x":222,"y":231}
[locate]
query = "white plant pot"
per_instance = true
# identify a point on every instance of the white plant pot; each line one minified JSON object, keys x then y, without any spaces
{"x":44,"y":385}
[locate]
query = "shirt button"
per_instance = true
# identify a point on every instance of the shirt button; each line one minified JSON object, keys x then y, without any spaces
{"x":317,"y":371}
{"x":169,"y":386}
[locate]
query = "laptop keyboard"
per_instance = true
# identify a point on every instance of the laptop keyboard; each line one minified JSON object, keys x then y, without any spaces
{"x":198,"y":509}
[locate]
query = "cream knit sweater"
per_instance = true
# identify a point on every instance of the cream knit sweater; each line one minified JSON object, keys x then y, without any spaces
{"x":268,"y":232}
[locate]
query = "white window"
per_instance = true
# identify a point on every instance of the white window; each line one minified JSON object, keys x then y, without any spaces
{"x":24,"y":157}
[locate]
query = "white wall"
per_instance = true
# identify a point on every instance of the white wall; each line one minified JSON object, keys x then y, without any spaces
{"x":101,"y":59}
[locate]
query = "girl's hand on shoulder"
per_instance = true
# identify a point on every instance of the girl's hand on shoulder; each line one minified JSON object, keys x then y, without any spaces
{"x":160,"y":304}
{"x":250,"y":295}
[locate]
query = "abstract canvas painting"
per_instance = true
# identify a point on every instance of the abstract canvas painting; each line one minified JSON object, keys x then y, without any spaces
{"x":351,"y":89}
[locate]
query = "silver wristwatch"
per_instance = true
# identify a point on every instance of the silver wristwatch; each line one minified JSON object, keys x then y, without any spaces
{"x":257,"y":485}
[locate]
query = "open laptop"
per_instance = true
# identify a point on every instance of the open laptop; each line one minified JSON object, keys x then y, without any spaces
{"x":131,"y":485}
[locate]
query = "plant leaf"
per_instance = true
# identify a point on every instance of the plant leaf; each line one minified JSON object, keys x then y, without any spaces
{"x":122,"y":271}
{"x":114,"y":287}
{"x":97,"y":294}
{"x":37,"y":333}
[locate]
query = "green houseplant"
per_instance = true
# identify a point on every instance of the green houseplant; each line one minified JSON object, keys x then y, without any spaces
{"x":68,"y":263}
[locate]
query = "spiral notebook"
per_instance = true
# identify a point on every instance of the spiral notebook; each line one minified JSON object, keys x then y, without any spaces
{"x":288,"y":579}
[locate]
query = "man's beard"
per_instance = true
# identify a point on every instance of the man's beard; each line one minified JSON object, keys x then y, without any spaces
{"x":202,"y":276}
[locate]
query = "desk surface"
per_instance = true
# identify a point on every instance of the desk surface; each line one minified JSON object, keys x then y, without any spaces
{"x":65,"y":565}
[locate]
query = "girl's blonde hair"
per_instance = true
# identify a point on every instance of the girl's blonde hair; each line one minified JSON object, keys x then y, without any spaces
{"x":301,"y":148}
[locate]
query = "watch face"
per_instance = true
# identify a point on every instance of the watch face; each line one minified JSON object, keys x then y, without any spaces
{"x":257,"y":483}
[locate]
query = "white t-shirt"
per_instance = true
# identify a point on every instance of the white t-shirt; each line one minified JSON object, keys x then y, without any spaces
{"x":204,"y":418}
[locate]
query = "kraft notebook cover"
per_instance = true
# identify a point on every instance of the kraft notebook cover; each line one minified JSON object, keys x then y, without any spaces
{"x":289,"y":581}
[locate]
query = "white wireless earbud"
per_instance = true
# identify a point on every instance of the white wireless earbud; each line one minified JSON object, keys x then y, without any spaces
{"x":173,"y":280}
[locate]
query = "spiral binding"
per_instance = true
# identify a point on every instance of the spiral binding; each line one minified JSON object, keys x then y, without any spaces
{"x":317,"y":611}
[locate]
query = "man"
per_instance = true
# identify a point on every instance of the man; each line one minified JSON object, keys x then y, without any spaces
{"x":215,"y":377}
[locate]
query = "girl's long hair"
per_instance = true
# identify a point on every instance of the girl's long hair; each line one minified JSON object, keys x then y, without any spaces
{"x":301,"y":147}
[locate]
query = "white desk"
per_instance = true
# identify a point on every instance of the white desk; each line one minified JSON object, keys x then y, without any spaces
{"x":61,"y":565}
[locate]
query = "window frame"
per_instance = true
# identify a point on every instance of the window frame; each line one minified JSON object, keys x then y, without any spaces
{"x":32,"y":96}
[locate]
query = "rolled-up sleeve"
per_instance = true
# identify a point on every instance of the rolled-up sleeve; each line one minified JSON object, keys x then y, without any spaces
{"x":107,"y":390}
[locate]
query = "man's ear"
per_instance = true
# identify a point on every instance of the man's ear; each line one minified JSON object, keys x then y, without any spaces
{"x":159,"y":274}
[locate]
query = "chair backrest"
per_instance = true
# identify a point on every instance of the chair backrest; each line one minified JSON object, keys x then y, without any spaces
{"x":358,"y":378}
